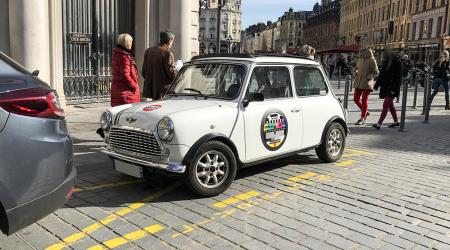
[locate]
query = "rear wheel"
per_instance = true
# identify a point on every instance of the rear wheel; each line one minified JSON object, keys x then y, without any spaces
{"x":333,"y":144}
{"x":213,"y":169}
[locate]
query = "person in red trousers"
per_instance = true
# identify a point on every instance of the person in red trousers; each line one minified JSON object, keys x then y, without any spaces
{"x":389,"y":82}
{"x":365,"y":71}
{"x":125,"y":86}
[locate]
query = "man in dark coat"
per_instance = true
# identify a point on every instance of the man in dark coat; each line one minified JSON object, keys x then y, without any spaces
{"x":159,"y":68}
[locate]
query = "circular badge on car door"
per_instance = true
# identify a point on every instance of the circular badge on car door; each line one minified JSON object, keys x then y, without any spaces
{"x":274,"y":130}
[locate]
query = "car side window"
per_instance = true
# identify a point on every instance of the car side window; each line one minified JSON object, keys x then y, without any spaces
{"x":309,"y":81}
{"x":273,"y":82}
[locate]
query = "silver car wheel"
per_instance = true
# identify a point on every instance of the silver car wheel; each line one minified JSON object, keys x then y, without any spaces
{"x":335,"y":142}
{"x":212,"y":169}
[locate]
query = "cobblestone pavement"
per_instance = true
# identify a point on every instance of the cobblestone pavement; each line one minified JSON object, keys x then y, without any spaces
{"x":391,"y":190}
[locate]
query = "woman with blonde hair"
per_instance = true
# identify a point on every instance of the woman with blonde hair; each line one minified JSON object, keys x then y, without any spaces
{"x":125,"y":86}
{"x":441,"y":70}
{"x":365,"y":71}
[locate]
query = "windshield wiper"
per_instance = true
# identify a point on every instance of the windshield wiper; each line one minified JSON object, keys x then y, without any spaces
{"x":196,"y":91}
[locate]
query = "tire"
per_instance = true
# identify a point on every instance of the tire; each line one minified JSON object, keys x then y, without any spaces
{"x":211,"y":176}
{"x":335,"y":136}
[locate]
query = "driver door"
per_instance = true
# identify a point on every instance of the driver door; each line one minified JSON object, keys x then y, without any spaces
{"x":274,"y":126}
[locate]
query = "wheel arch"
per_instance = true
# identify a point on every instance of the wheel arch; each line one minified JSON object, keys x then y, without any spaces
{"x":211,"y":137}
{"x":334,"y":119}
{"x":4,"y":224}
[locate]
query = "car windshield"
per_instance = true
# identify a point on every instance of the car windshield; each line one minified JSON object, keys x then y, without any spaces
{"x":213,"y":80}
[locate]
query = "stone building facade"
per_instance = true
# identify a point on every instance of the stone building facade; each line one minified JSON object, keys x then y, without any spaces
{"x":291,"y":30}
{"x":322,"y":27}
{"x":280,"y":36}
{"x":230,"y":27}
{"x":45,"y":35}
{"x":417,"y":27}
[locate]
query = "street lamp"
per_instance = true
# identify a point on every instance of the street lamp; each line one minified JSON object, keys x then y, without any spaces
{"x":220,"y":5}
{"x":229,"y":44}
{"x":203,"y":5}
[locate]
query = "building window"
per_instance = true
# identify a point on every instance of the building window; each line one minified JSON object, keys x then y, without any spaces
{"x":414,"y":28}
{"x":421,"y":29}
{"x":433,"y":3}
{"x":404,"y":7}
{"x":424,"y":6}
{"x":407,"y":31}
{"x":430,"y":27}
{"x":395,"y":32}
{"x":439,"y":27}
{"x":417,"y":6}
{"x":402,"y":32}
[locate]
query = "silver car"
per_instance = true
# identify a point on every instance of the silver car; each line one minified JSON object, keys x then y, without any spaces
{"x":37,"y":175}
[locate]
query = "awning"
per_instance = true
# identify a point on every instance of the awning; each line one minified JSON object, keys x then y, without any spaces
{"x":343,"y":49}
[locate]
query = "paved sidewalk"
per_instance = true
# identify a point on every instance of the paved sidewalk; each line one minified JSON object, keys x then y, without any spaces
{"x":391,"y":190}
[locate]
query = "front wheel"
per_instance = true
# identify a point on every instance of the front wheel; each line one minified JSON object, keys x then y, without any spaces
{"x":213,"y":169}
{"x":333,"y":144}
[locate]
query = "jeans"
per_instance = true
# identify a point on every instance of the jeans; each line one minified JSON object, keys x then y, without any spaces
{"x":388,"y":105}
{"x":436,"y":84}
{"x":363,"y":103}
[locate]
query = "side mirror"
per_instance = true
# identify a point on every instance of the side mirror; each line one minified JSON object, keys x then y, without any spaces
{"x":35,"y":73}
{"x":254,"y":97}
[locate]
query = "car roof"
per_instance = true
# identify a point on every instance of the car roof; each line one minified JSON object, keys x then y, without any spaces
{"x":263,"y":58}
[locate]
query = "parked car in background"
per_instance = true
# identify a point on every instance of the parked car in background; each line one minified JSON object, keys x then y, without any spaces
{"x":37,"y":175}
{"x":225,"y":113}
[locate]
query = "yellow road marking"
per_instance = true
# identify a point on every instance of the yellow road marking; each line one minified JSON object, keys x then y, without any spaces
{"x":110,"y":218}
{"x":109,"y":185}
{"x":304,"y":176}
{"x":345,"y":163}
{"x":360,"y":152}
{"x":236,"y":199}
{"x":119,"y":241}
{"x":188,"y":229}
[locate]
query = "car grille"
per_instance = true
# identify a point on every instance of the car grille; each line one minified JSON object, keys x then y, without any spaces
{"x":133,"y":142}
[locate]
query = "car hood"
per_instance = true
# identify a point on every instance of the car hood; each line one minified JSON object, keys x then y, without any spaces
{"x":147,"y":115}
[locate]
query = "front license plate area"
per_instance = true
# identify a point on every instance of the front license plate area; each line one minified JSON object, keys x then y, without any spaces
{"x":129,"y":169}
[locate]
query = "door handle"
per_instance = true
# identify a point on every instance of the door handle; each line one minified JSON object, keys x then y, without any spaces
{"x":296,"y":110}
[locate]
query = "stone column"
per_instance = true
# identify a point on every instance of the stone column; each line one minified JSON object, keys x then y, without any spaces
{"x":181,"y":20}
{"x":142,"y":31}
{"x":4,"y":26}
{"x":56,"y":49}
{"x":29,"y":35}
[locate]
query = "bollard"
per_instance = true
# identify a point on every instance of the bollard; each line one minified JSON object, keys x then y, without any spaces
{"x":348,"y":79}
{"x":416,"y":89}
{"x":339,"y":80}
{"x":425,"y":91}
{"x":428,"y":105}
{"x":404,"y":100}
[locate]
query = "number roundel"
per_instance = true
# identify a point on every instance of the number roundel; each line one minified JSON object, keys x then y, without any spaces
{"x":274,"y":130}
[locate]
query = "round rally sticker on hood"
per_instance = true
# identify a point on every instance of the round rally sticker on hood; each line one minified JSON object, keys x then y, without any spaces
{"x":274,"y":129}
{"x":151,"y":107}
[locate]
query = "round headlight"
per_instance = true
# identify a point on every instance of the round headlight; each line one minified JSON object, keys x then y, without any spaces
{"x":106,"y":120}
{"x":165,"y":129}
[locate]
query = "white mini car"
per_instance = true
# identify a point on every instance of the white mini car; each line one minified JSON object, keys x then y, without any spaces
{"x":223,"y":113}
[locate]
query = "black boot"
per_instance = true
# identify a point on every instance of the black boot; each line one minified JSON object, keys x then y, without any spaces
{"x":447,"y":105}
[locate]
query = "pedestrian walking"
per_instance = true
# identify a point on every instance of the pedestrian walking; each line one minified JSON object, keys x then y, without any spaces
{"x":331,"y":65}
{"x":341,"y":64}
{"x":364,"y":73}
{"x":389,"y":82}
{"x":441,"y":71}
{"x":124,"y":86}
{"x":159,"y":67}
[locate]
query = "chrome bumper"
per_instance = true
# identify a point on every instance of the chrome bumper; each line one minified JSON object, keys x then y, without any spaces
{"x":169,"y":167}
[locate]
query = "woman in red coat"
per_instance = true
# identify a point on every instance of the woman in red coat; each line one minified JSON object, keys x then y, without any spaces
{"x":125,"y":86}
